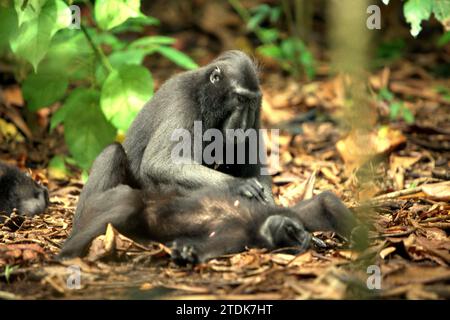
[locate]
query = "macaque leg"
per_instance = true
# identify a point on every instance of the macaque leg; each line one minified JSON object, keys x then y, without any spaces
{"x":120,"y":206}
{"x":326,"y":212}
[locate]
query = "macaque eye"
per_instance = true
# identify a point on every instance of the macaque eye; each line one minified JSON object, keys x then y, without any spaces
{"x":215,"y":75}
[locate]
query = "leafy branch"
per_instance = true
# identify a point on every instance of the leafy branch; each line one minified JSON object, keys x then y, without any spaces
{"x":62,"y":58}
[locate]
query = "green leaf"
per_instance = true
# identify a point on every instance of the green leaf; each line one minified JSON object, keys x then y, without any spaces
{"x":444,"y":39}
{"x":71,"y":161}
{"x":289,"y":48}
{"x":412,"y":185}
{"x":443,"y":91}
{"x":385,"y":94}
{"x":136,"y":24}
{"x":391,"y":50}
{"x":270,"y":50}
{"x":262,"y":8}
{"x":307,"y":61}
{"x":9,"y":269}
{"x":395,"y":110}
{"x":415,"y":11}
{"x":124,"y":93}
{"x":256,"y":20}
{"x":70,"y":55}
{"x":28,"y":10}
{"x":268,"y":35}
{"x":84,"y":176}
{"x":57,"y":118}
{"x":111,"y":13}
{"x":292,"y":48}
{"x":42,"y":89}
{"x":57,"y":168}
{"x":407,"y":115}
{"x":177,"y":57}
{"x":106,"y":38}
{"x":86,"y":130}
{"x":151,"y":41}
{"x":32,"y":39}
{"x":60,"y":115}
{"x":8,"y":25}
{"x":441,"y":9}
{"x":259,"y":14}
{"x":130,"y":56}
{"x":120,"y":58}
{"x":275,"y":14}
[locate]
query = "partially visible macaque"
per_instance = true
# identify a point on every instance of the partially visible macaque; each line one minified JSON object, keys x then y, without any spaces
{"x":19,"y":191}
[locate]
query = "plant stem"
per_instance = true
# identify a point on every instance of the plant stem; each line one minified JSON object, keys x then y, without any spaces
{"x":293,"y":32}
{"x":303,"y":17}
{"x":240,"y":9}
{"x":98,"y":51}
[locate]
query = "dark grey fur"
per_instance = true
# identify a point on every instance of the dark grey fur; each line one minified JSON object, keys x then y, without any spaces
{"x":19,"y":191}
{"x":205,"y":224}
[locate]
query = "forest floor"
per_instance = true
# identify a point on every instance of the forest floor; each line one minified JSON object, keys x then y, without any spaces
{"x":409,"y":211}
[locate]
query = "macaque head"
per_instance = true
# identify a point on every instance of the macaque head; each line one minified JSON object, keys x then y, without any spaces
{"x":282,"y":232}
{"x":33,"y":197}
{"x":230,"y":97}
{"x":22,"y":192}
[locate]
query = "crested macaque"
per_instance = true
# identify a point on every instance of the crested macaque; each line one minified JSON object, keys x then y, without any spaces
{"x":19,"y":191}
{"x":201,"y":209}
{"x":223,"y":95}
{"x":205,"y":224}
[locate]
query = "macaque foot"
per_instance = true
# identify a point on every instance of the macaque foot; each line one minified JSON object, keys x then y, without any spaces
{"x":183,"y":255}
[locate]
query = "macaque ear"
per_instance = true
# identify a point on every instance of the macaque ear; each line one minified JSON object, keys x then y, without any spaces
{"x":215,"y":76}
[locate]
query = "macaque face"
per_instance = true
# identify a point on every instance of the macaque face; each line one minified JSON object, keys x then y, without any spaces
{"x":232,"y":93}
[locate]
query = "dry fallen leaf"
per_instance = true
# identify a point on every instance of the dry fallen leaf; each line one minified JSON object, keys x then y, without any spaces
{"x":114,"y":244}
{"x":10,"y":132}
{"x":349,"y":254}
{"x":414,"y":274}
{"x":358,"y":147}
{"x":292,"y":260}
{"x":438,"y":191}
{"x":12,"y":254}
{"x":420,"y":248}
{"x":387,"y":251}
{"x":12,"y":95}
